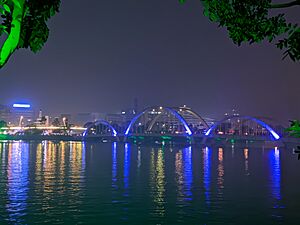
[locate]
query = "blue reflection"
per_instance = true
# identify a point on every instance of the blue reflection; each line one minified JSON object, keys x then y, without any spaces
{"x":83,"y":157}
{"x":188,"y":172}
{"x":114,"y":165}
{"x":17,"y":181}
{"x":206,"y":172}
{"x":126,"y":168}
{"x":275,"y":174}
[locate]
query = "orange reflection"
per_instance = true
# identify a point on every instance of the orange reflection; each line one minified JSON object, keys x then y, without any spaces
{"x":246,"y":156}
{"x":220,"y":154}
{"x":220,"y":169}
{"x":246,"y":153}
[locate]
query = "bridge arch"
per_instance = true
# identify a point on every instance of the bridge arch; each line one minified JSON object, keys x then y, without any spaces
{"x":98,"y":122}
{"x":168,"y":109}
{"x":184,"y":109}
{"x":184,"y":112}
{"x":258,"y":121}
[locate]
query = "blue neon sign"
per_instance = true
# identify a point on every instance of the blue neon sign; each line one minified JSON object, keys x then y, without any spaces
{"x":21,"y":105}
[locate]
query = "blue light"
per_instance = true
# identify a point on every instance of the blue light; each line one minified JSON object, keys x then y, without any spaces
{"x":275,"y":171}
{"x":21,"y":105}
{"x":275,"y":135}
{"x":188,"y":173}
{"x":172,"y":111}
{"x":186,"y":126}
{"x":114,"y":165}
{"x":104,"y":122}
{"x":207,"y":173}
{"x":114,"y":133}
{"x":126,"y":168}
{"x":263,"y":124}
{"x":133,"y":121}
{"x":127,"y":131}
{"x":209,"y":131}
{"x":17,"y":181}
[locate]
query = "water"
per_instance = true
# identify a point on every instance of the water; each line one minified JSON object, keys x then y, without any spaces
{"x":114,"y":183}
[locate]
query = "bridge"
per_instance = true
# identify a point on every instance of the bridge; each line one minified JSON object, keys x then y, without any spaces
{"x":182,"y":123}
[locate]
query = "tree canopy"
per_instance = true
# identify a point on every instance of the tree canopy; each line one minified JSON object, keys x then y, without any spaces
{"x":24,"y":24}
{"x":294,"y":130}
{"x":250,"y":21}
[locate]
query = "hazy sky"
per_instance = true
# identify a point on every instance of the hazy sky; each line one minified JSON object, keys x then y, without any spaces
{"x":102,"y":54}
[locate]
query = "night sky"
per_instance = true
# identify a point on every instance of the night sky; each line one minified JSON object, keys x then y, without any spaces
{"x":102,"y":54}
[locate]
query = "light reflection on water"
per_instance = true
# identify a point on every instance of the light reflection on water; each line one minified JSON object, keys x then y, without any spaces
{"x":275,"y":175}
{"x":246,"y":156}
{"x":207,"y":173}
{"x":126,"y":168}
{"x":114,"y":166}
{"x":157,"y":182}
{"x":52,"y":182}
{"x":188,"y":173}
{"x":17,"y":181}
{"x":220,"y":173}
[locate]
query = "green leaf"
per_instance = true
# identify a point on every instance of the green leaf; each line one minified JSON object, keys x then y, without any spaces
{"x":6,"y":7}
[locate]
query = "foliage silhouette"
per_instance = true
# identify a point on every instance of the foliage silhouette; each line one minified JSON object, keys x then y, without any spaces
{"x":250,"y":21}
{"x":294,"y":130}
{"x":24,"y":24}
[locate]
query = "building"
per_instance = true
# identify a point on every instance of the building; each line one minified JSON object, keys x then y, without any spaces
{"x":5,"y":113}
{"x":21,"y":114}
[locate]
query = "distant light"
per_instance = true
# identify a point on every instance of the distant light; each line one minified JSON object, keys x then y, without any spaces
{"x":275,"y":135}
{"x":123,"y":112}
{"x":208,"y":132}
{"x":188,"y":130}
{"x":20,"y":105}
{"x":128,"y":129}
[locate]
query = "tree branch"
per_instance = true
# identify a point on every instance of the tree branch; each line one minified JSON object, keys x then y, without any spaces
{"x":13,"y":38}
{"x":285,"y":5}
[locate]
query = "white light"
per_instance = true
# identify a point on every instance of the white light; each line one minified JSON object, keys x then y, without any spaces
{"x":19,"y":105}
{"x":276,"y":136}
{"x":208,"y":132}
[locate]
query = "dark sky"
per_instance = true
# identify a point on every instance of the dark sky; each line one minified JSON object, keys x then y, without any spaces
{"x":102,"y":54}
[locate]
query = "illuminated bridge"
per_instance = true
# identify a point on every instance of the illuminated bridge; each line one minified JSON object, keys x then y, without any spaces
{"x":182,"y":123}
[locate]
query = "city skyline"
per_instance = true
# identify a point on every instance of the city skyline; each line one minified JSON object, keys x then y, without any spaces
{"x":163,"y":53}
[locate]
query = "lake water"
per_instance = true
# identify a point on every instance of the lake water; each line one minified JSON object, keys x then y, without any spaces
{"x":117,"y":183}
